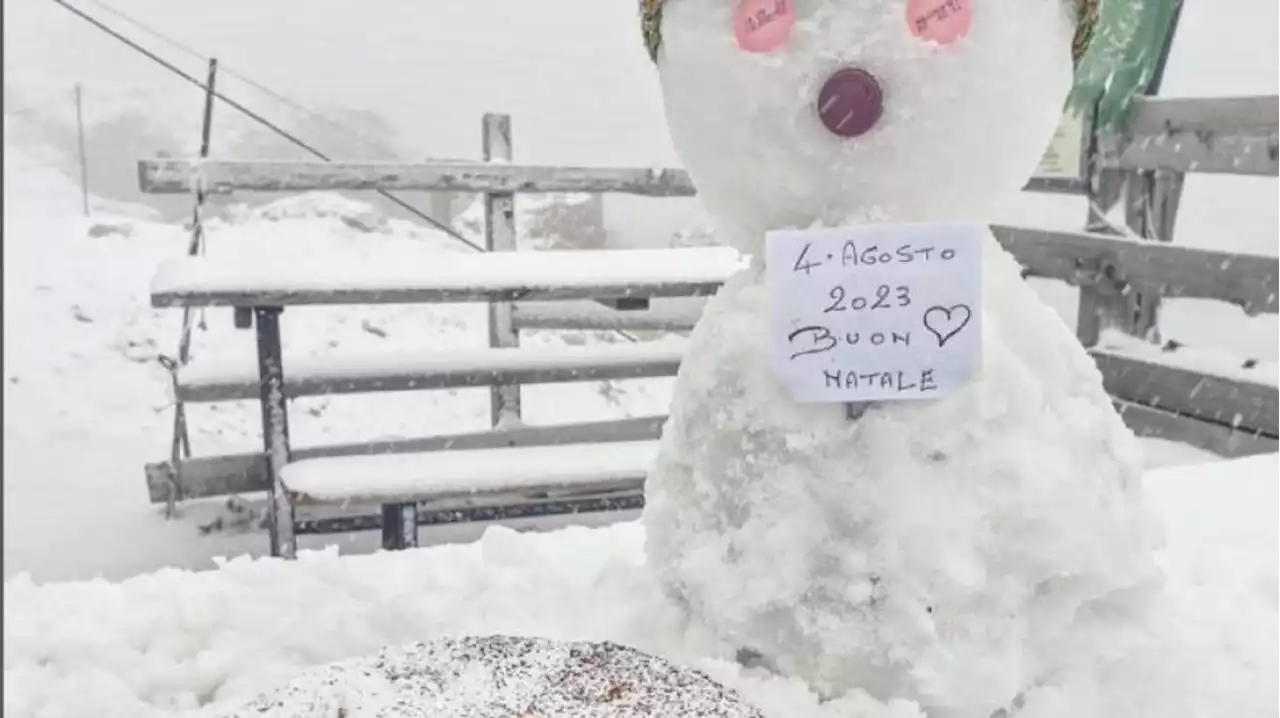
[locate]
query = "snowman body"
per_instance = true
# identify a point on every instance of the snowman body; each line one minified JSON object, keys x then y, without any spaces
{"x":954,"y":552}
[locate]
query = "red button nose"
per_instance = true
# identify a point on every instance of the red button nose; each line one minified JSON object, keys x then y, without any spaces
{"x":850,"y":102}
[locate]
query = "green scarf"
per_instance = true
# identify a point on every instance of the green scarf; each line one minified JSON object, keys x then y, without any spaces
{"x":1117,"y":48}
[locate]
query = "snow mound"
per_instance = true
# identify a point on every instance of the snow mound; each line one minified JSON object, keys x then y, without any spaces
{"x":204,"y":643}
{"x":502,"y":676}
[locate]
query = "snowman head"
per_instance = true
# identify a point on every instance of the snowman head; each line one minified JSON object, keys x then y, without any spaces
{"x":795,"y":113}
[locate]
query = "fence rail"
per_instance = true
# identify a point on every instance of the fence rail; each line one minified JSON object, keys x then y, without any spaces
{"x":1121,"y":265}
{"x":1223,"y":135}
{"x":1230,"y":135}
{"x":175,"y":176}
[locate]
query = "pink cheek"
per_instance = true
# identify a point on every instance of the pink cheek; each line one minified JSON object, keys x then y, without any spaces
{"x":850,"y":102}
{"x":940,"y":21}
{"x":763,"y":25}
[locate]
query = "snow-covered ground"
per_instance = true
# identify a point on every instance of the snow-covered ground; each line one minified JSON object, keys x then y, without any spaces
{"x":86,"y":406}
{"x":162,"y":643}
{"x":86,"y":402}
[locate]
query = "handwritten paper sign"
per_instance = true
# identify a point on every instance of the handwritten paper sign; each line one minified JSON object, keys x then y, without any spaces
{"x":875,"y":313}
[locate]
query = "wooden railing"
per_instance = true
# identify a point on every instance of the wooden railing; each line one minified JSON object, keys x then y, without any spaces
{"x":1121,"y":275}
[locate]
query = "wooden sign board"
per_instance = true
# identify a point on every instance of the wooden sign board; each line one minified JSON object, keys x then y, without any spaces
{"x":1064,"y":158}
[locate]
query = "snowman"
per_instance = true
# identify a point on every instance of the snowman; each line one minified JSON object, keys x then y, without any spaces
{"x":960,"y":552}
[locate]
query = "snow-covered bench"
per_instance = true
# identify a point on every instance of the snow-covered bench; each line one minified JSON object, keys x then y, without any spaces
{"x":584,"y":467}
{"x":580,"y":477}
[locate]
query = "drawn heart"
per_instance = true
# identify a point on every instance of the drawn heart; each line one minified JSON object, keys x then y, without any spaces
{"x":946,"y":322}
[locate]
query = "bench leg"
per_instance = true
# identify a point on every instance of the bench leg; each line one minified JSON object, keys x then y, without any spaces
{"x":399,"y":526}
{"x":275,"y":428}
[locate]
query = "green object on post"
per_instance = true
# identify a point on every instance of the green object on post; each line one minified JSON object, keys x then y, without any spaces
{"x":1122,"y":57}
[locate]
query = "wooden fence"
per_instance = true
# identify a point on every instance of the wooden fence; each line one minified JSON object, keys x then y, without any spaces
{"x":1121,"y":275}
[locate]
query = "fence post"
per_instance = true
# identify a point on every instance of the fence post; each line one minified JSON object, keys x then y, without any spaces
{"x":181,"y":444}
{"x":1151,"y":199}
{"x":206,"y":131}
{"x":1151,"y":208}
{"x":84,"y":166}
{"x":1100,"y":305}
{"x":1151,"y":205}
{"x":500,"y":236}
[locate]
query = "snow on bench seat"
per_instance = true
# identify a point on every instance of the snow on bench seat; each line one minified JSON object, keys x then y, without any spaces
{"x":207,"y":381}
{"x":443,"y":475}
{"x":1205,"y":384}
{"x":569,"y":274}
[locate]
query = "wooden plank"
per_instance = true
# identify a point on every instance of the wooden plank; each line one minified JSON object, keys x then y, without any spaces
{"x":504,"y":472}
{"x":1247,"y":406}
{"x":1204,"y":153}
{"x":227,"y":296}
{"x":247,"y":473}
{"x":1227,"y":135}
{"x":500,"y":276}
{"x":1231,"y":443}
{"x":175,"y":176}
{"x":1233,"y":135}
{"x":369,"y":518}
{"x":309,"y":376}
{"x":670,"y":315}
{"x":1230,"y":134}
{"x":1256,"y":115}
{"x":1247,"y":280}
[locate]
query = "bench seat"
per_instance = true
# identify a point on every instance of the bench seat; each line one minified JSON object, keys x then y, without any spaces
{"x":569,"y":469}
{"x":1240,"y":398}
{"x":210,"y":381}
{"x":498,"y":276}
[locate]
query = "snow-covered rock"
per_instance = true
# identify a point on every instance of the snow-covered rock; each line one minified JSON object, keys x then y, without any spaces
{"x":502,"y":676}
